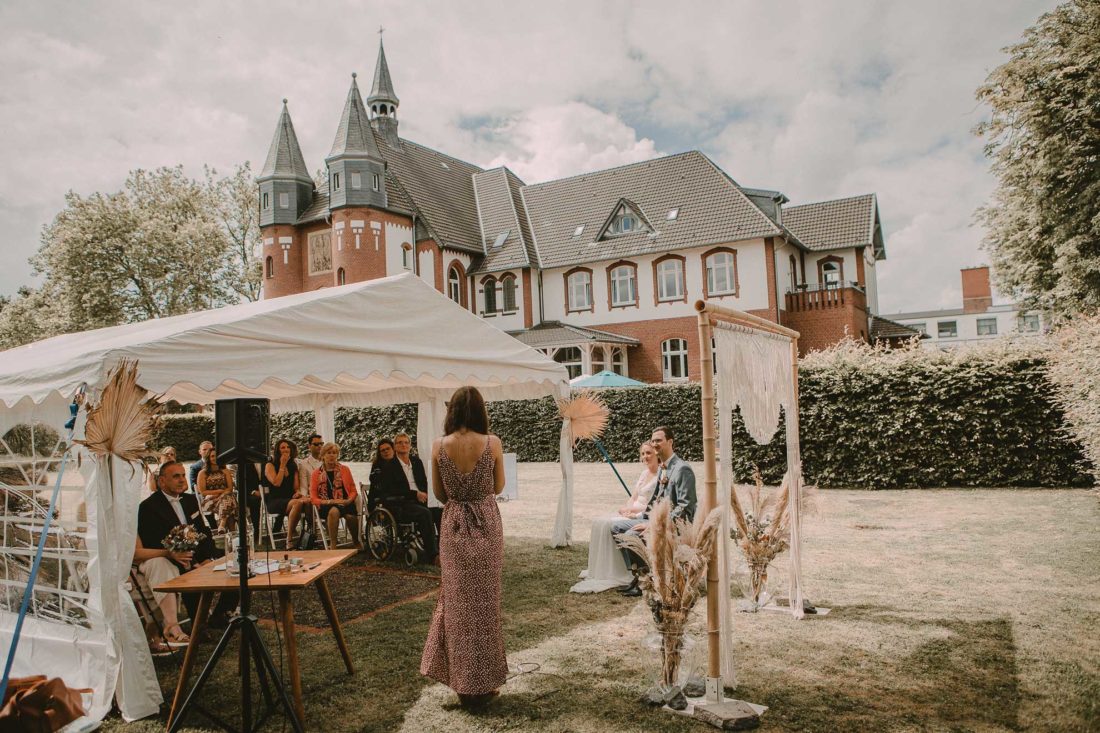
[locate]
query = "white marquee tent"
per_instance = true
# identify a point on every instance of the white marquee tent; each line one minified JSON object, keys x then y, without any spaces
{"x":388,"y":341}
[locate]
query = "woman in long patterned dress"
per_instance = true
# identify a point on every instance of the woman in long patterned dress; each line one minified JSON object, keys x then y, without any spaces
{"x":465,"y":647}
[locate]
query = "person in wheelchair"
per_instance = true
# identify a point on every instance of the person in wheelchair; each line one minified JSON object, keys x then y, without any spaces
{"x":397,"y":485}
{"x":332,"y":491}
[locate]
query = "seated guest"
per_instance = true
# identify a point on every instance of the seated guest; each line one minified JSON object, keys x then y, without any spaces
{"x":383,"y":454}
{"x":167,"y":454}
{"x":403,"y":486}
{"x":205,"y":447}
{"x":332,"y":491}
{"x":675,"y":482}
{"x":167,"y":508}
{"x":282,"y":486}
{"x":215,"y":486}
{"x":605,"y":563}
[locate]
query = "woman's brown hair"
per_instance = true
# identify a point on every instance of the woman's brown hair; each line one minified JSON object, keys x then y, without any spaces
{"x":466,"y":410}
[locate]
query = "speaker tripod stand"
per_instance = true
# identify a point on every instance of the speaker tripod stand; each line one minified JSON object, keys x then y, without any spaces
{"x":251,"y":647}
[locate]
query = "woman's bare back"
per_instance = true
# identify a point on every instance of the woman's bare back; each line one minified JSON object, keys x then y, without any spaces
{"x":465,"y":449}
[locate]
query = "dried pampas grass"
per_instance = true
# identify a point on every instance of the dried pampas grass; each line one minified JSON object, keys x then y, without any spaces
{"x":123,"y":422}
{"x":677,"y":554}
{"x":587,"y":413}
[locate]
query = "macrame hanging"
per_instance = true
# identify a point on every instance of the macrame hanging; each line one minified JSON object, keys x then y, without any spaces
{"x":753,"y":372}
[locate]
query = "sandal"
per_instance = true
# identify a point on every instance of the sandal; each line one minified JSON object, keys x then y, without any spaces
{"x":158,"y":648}
{"x":177,"y":640}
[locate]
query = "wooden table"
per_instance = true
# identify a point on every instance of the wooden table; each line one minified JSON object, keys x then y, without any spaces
{"x":206,"y":581}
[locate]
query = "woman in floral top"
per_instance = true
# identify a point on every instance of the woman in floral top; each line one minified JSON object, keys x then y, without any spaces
{"x":332,"y":491}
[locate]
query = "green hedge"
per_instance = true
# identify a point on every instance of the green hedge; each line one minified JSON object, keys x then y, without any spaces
{"x":869,"y":419}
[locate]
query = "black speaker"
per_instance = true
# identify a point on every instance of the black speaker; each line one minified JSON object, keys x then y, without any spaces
{"x":242,"y":429}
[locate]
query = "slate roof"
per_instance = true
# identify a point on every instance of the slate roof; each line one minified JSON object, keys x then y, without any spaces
{"x":884,"y":328}
{"x":500,"y":211}
{"x":712,"y":210}
{"x":550,"y":334}
{"x":837,"y":224}
{"x":284,"y":158}
{"x":396,"y":199}
{"x":382,"y":89}
{"x":354,"y":136}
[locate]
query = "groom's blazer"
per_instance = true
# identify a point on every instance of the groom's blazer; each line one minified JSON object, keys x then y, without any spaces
{"x":678,"y":489}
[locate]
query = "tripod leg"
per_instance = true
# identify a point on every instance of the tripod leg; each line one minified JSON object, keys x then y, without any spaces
{"x":280,"y":686}
{"x":223,"y":644}
{"x":255,"y":643}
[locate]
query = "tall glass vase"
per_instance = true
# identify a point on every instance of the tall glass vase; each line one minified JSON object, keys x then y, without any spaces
{"x":758,"y":581}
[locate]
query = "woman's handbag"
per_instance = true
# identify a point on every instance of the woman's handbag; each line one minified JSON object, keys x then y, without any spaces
{"x":39,"y":705}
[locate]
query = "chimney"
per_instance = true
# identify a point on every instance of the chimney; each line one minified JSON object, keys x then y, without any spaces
{"x":977,"y":295}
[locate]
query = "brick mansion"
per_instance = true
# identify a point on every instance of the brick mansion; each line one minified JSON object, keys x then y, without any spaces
{"x":598,"y":270}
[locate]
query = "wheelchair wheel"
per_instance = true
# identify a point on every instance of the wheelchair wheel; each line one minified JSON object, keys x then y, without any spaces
{"x":411,"y":556}
{"x":381,"y":533}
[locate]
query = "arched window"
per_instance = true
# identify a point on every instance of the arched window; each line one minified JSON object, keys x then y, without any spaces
{"x":793,"y":273}
{"x":490,"y":287}
{"x":269,"y":268}
{"x":674,"y":359}
{"x":341,"y":277}
{"x":508,"y":293}
{"x":670,"y":279}
{"x":407,"y":256}
{"x":570,"y":358}
{"x":721,"y":277}
{"x":454,"y":285}
{"x":830,"y":271}
{"x":623,"y":281}
{"x":579,"y":290}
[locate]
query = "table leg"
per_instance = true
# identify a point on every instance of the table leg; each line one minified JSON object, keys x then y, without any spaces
{"x":286,"y":611}
{"x":189,"y":655}
{"x":334,"y":622}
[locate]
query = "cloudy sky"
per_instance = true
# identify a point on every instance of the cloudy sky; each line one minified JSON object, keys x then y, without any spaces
{"x":816,"y":99}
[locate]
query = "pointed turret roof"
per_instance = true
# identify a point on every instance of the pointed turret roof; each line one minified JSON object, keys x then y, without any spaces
{"x":382,"y":91}
{"x":284,"y":159}
{"x":354,"y":135}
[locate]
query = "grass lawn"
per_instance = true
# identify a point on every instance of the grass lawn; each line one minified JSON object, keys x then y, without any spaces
{"x":952,"y":610}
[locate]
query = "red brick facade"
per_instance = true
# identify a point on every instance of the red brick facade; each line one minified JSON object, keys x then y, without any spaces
{"x":824,"y":317}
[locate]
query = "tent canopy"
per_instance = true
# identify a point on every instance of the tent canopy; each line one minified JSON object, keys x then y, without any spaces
{"x":385,"y":341}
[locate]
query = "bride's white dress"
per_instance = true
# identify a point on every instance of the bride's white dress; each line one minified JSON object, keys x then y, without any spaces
{"x":606,"y":568}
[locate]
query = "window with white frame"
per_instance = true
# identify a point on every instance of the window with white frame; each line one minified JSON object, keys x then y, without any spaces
{"x":674,"y":359}
{"x":624,"y":289}
{"x":490,"y":295}
{"x":335,"y":181}
{"x":830,"y":274}
{"x":266,"y":201}
{"x":375,"y":181}
{"x":922,"y":327}
{"x":508,"y":293}
{"x":570,"y":358}
{"x":720,"y":274}
{"x":670,"y":280}
{"x":454,"y":285}
{"x":1029,"y":323}
{"x":947,"y":329}
{"x":987,"y":326}
{"x":625,"y":221}
{"x":407,"y":257}
{"x":580,"y":290}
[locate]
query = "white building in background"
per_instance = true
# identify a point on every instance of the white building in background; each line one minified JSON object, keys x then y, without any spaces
{"x":978,"y":319}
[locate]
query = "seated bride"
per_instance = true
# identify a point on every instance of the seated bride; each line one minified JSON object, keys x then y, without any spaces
{"x":605,"y":560}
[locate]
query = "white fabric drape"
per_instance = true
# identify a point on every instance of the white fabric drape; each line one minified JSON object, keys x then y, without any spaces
{"x":563,"y":524}
{"x":429,"y":426}
{"x":754,"y":372}
{"x":113,"y":491}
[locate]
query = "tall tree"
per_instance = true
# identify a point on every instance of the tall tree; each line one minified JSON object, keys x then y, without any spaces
{"x":237,"y":204}
{"x":1043,"y":140}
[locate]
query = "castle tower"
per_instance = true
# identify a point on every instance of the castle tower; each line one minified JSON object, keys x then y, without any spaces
{"x":356,"y":170}
{"x":383,"y":100}
{"x":286,"y":189}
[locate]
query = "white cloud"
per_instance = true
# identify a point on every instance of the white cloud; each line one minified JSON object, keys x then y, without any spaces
{"x":816,"y":98}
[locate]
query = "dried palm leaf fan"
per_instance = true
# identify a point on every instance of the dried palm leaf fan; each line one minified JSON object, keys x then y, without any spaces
{"x":587,"y":414}
{"x":123,"y":422}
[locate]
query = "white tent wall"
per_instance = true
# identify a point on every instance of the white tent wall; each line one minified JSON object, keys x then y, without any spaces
{"x":387,"y":341}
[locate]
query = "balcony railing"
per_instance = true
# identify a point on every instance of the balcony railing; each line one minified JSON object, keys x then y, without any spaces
{"x":820,"y":297}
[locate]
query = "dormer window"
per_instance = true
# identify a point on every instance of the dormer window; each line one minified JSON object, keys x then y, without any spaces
{"x":627,"y":219}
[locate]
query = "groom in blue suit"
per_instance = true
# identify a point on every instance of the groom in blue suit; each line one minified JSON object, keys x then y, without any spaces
{"x":675,"y":482}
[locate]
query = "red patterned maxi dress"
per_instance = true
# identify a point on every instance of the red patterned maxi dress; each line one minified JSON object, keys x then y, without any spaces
{"x":465,"y":647}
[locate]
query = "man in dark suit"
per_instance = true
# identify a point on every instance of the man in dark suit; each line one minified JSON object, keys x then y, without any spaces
{"x":675,"y":482}
{"x":404,"y":489}
{"x":169,"y":507}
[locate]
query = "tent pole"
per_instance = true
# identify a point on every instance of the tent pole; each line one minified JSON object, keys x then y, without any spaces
{"x":794,"y":460}
{"x":710,"y":494}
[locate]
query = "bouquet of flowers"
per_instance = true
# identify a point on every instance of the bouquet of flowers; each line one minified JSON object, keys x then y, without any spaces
{"x":183,"y":538}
